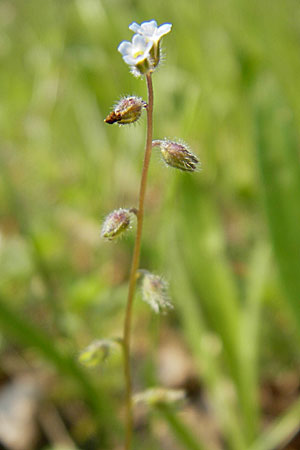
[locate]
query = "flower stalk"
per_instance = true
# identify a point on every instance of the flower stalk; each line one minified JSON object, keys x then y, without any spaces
{"x":135,"y":266}
{"x":142,"y":55}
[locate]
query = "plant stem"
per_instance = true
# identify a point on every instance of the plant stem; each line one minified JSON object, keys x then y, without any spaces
{"x":134,"y":268}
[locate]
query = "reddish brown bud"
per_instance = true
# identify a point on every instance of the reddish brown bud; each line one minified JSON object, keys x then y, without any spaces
{"x":128,"y":110}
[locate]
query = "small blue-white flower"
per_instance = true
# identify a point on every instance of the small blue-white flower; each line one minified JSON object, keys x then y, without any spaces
{"x":152,"y":33}
{"x":136,"y":54}
{"x":150,"y":30}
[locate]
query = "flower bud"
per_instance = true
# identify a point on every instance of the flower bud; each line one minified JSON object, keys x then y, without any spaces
{"x":155,"y":292}
{"x":128,"y":110}
{"x":155,"y":55}
{"x":96,"y":352}
{"x":142,"y":68}
{"x":177,"y":155}
{"x":115,"y":223}
{"x":159,"y":396}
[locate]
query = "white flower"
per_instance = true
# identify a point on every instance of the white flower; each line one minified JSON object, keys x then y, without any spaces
{"x":150,"y":30}
{"x":136,"y":53}
{"x":152,"y":33}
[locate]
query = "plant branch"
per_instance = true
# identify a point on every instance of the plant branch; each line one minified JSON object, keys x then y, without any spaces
{"x":135,"y":266}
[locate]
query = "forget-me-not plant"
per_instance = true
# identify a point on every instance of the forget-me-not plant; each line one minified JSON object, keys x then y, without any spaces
{"x":142,"y":55}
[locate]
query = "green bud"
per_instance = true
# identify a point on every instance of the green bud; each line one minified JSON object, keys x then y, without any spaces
{"x":155,"y":292}
{"x":142,"y":67}
{"x":155,"y":54}
{"x":159,"y":396}
{"x":116,"y":223}
{"x":128,"y":110}
{"x":177,"y":155}
{"x":96,"y":352}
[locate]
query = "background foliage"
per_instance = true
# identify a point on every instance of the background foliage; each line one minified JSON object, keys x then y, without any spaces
{"x":227,"y":238}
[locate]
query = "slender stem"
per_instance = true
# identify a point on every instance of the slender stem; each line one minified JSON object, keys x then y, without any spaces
{"x":134,"y":268}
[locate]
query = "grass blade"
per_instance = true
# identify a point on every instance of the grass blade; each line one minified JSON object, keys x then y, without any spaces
{"x":279,"y":167}
{"x":281,"y":432}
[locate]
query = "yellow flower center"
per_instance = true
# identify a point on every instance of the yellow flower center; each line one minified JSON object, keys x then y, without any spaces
{"x":138,"y":53}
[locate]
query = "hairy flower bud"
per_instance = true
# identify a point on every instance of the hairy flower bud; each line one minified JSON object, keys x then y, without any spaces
{"x":177,"y":155}
{"x":159,"y":396}
{"x":155,"y":292}
{"x":96,"y":352}
{"x":115,"y":223}
{"x":128,"y":110}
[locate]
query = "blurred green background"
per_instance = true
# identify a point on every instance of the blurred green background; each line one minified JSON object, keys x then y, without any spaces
{"x":227,"y":238}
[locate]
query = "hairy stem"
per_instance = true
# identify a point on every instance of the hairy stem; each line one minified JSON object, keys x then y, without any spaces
{"x":134,"y":268}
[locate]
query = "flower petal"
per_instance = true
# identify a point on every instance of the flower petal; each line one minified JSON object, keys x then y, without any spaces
{"x":163,"y":29}
{"x":139,"y":42}
{"x":135,"y":27}
{"x":130,"y":60}
{"x":149,"y":28}
{"x":125,"y":47}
